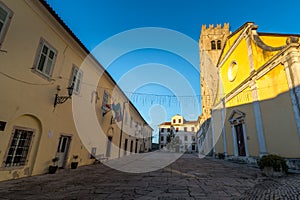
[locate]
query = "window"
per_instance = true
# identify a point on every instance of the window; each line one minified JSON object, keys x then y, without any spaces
{"x":2,"y":125}
{"x":75,"y":80}
{"x":19,"y":148}
{"x":232,"y":71}
{"x":193,"y":147}
{"x":162,"y":130}
{"x":219,"y":44}
{"x":162,"y":138}
{"x":185,"y":138}
{"x":177,"y":129}
{"x":213,"y":45}
{"x":5,"y":16}
{"x":179,"y":120}
{"x":168,"y":130}
{"x":193,"y":138}
{"x":192,"y":129}
{"x":45,"y":59}
{"x":174,"y":121}
{"x":185,"y":129}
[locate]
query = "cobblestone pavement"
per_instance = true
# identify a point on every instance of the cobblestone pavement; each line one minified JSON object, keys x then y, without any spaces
{"x":187,"y":178}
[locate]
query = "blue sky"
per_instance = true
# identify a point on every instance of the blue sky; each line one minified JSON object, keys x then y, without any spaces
{"x":96,"y":21}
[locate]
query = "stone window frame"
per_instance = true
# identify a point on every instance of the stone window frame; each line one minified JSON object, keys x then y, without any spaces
{"x":76,"y":79}
{"x":39,"y":53}
{"x":6,"y":22}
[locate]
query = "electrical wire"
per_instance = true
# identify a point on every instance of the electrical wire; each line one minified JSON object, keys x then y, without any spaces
{"x":25,"y":82}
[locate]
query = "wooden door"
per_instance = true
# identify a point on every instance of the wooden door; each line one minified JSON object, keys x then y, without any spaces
{"x":240,"y":139}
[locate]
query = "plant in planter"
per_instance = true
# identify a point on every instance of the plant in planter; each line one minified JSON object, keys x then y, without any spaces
{"x":221,"y":155}
{"x":273,"y":165}
{"x":53,"y":168}
{"x":74,"y":163}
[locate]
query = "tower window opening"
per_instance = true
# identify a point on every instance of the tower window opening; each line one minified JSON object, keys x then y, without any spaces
{"x":213,"y":45}
{"x":219,"y":44}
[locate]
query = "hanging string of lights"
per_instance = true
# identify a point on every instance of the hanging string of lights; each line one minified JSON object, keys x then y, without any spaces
{"x":162,"y":99}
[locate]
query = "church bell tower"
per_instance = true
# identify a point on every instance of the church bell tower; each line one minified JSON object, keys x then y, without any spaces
{"x":211,"y":42}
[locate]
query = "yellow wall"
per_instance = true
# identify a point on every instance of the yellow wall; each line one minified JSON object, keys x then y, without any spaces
{"x":277,"y":113}
{"x":230,"y":42}
{"x":272,"y":84}
{"x":240,"y":56}
{"x":274,"y":40}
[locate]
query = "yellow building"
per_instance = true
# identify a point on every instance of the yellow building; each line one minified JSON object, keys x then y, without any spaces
{"x":258,"y":96}
{"x":40,"y":58}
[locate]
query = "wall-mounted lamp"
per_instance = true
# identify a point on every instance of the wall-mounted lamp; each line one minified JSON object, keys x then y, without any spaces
{"x":62,"y":99}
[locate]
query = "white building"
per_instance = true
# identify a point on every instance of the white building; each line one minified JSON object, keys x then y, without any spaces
{"x":178,"y":135}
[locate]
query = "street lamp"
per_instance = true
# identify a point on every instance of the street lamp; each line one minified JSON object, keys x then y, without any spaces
{"x":62,"y":99}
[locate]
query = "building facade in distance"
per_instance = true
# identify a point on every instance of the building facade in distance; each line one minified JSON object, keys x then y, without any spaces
{"x":178,"y":135}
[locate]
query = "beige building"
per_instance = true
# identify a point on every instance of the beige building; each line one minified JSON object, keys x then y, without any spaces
{"x":180,"y":131}
{"x":40,"y":58}
{"x":257,"y":97}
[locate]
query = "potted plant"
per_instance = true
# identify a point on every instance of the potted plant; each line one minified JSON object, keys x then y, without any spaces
{"x":273,"y":165}
{"x":221,"y":155}
{"x":53,"y":168}
{"x":74,"y":163}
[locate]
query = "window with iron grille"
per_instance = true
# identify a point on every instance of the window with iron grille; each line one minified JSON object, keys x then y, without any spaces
{"x":19,"y":147}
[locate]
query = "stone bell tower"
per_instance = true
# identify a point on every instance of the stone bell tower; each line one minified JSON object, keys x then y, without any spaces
{"x":211,"y":42}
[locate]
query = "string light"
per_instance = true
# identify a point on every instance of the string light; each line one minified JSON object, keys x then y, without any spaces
{"x":134,"y":95}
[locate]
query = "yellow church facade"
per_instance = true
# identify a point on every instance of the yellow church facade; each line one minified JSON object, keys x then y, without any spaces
{"x":47,"y":97}
{"x":258,"y":96}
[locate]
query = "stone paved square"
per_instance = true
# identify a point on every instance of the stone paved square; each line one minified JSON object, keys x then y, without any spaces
{"x":188,"y":178}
